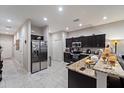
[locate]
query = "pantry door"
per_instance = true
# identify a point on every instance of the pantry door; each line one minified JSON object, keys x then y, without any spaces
{"x":57,"y":50}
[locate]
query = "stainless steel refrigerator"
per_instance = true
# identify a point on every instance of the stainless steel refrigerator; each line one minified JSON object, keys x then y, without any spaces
{"x":39,"y":54}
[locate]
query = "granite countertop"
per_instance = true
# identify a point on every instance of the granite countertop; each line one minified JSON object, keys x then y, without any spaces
{"x":99,"y":66}
{"x":117,"y":70}
{"x":78,"y":65}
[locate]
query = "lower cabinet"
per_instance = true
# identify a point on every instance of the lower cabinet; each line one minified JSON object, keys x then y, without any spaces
{"x":67,"y":57}
{"x":77,"y":80}
{"x":0,"y":75}
{"x":1,"y":66}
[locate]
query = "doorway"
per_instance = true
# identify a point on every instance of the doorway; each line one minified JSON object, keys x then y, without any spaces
{"x":57,"y":50}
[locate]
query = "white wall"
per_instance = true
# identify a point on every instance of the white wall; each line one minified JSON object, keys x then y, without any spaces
{"x":64,"y":36}
{"x":36,"y":30}
{"x":6,"y":41}
{"x":23,"y":54}
{"x":45,"y":32}
{"x":42,"y":31}
{"x":113,"y":30}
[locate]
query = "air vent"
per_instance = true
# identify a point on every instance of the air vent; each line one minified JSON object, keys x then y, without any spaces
{"x":8,"y":27}
{"x":76,"y":20}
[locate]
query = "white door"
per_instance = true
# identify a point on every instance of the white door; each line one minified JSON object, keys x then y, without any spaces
{"x":57,"y":51}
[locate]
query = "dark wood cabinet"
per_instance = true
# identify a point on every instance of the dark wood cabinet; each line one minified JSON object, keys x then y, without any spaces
{"x":100,"y":40}
{"x":81,"y":39}
{"x":85,"y":42}
{"x":93,"y":41}
{"x":76,"y":39}
{"x":77,"y":80}
{"x":69,"y":42}
{"x":88,"y":41}
{"x":67,"y":57}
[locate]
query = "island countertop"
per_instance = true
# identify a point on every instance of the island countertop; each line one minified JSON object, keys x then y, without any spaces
{"x":99,"y":66}
{"x":117,"y":70}
{"x":78,"y":65}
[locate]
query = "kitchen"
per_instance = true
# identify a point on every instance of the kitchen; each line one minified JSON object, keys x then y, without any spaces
{"x":73,"y":50}
{"x":99,"y":38}
{"x":82,"y":46}
{"x":76,"y":72}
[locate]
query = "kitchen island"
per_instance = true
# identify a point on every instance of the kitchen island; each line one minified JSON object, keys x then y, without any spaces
{"x":104,"y":70}
{"x":81,"y":77}
{"x":78,"y":77}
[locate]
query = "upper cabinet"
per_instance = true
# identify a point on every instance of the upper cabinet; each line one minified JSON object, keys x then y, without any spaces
{"x":69,"y":42}
{"x":88,"y":41}
{"x":76,"y":39}
{"x":82,"y":40}
{"x":100,"y":40}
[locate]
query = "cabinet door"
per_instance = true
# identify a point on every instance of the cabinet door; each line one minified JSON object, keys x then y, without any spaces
{"x":100,"y":40}
{"x":90,"y":41}
{"x":69,"y":42}
{"x":97,"y":41}
{"x":85,"y":40}
{"x":81,"y":39}
{"x":76,"y":39}
{"x":67,"y":57}
{"x":94,"y":41}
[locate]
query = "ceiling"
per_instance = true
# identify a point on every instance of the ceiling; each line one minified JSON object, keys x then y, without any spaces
{"x":89,"y":15}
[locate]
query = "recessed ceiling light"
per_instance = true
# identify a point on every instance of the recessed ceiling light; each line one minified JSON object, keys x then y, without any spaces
{"x":104,"y":18}
{"x":60,"y":9}
{"x":67,"y":28}
{"x":45,"y":19}
{"x":80,"y":24}
{"x":9,"y":20}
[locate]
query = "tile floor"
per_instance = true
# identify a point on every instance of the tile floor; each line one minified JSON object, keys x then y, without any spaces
{"x":14,"y":76}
